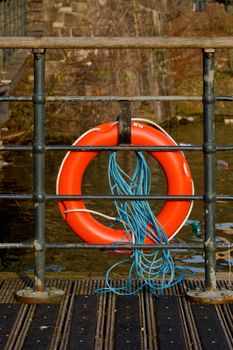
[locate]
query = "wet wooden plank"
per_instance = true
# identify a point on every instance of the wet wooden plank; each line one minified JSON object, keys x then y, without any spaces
{"x":21,"y":325}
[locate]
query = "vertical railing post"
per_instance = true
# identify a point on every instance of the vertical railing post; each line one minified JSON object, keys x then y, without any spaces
{"x":39,"y":167}
{"x":209,"y":168}
{"x":210,"y":295}
{"x":40,"y":294}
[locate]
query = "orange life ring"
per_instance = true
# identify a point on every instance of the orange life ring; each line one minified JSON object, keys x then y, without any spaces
{"x":69,"y":181}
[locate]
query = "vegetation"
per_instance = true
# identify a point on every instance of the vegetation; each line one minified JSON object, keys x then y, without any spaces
{"x":186,"y":65}
{"x":226,"y":2}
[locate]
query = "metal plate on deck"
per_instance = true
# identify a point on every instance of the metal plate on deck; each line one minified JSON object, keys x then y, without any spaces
{"x":8,"y":315}
{"x":169,"y":326}
{"x":83,"y":323}
{"x":127,"y":323}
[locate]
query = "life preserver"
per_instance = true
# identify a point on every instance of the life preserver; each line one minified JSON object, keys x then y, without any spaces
{"x":69,"y":181}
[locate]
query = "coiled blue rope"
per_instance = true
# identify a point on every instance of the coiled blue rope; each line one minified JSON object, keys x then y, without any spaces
{"x":140,"y":223}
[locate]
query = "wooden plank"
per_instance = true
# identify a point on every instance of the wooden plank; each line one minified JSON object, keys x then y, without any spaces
{"x":62,"y":316}
{"x":116,"y":42}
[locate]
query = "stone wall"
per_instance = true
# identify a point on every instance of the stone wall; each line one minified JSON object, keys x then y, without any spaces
{"x":99,"y":72}
{"x":103,"y":17}
{"x":108,"y":72}
{"x":28,"y":21}
{"x":35,"y":19}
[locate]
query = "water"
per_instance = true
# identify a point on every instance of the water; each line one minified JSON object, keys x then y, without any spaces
{"x":16,"y":171}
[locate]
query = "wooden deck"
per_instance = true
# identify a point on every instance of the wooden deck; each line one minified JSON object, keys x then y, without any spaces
{"x":84,"y":320}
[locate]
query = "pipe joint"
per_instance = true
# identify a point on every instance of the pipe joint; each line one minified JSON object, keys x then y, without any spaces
{"x":210,"y":246}
{"x":209,"y":147}
{"x":39,"y":52}
{"x":38,"y":148}
{"x":39,"y":197}
{"x":210,"y":197}
{"x":39,"y":98}
{"x":209,"y":98}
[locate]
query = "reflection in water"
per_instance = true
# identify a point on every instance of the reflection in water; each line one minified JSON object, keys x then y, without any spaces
{"x":16,"y":175}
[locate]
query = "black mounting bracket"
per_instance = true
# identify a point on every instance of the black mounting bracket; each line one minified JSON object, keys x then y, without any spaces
{"x":124,"y":119}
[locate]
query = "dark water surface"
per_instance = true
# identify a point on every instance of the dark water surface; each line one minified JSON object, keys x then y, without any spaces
{"x":16,"y":174}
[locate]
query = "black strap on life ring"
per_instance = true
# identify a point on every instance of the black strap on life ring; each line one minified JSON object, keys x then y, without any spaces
{"x":124,"y":119}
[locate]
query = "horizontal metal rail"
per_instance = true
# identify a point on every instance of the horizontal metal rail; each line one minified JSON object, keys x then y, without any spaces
{"x":112,"y":98}
{"x":182,"y":246}
{"x":25,"y":196}
{"x":29,"y":148}
{"x":30,"y":196}
{"x":104,"y":148}
{"x":116,"y":42}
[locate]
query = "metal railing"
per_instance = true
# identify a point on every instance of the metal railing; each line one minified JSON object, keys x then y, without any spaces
{"x":12,"y":23}
{"x":200,"y":5}
{"x":39,"y":147}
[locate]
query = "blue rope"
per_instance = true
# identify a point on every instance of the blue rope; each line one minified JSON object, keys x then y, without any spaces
{"x":140,"y":223}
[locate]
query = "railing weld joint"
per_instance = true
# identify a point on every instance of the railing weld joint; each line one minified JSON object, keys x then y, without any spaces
{"x":39,"y":197}
{"x":209,"y":147}
{"x":38,"y":148}
{"x":39,"y":98}
{"x":210,"y":197}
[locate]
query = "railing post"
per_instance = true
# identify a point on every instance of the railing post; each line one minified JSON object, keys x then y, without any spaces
{"x":210,"y":295}
{"x":40,"y":294}
{"x":209,"y":168}
{"x":39,"y":167}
